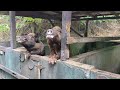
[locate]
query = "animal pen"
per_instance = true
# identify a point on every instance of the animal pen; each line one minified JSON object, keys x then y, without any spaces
{"x":98,"y":64}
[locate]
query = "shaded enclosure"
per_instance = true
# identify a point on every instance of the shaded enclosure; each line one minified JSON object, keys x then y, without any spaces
{"x":90,"y":57}
{"x":106,"y":59}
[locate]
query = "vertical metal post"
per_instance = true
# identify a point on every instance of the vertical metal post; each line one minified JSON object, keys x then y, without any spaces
{"x":12,"y":29}
{"x":66,"y":24}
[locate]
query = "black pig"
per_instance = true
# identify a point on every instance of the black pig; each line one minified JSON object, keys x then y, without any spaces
{"x":30,"y":42}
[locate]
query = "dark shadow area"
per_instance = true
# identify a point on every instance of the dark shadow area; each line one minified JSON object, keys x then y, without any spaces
{"x":106,"y":59}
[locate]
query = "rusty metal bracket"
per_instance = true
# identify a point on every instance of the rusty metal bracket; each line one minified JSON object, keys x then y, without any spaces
{"x":39,"y":68}
{"x":22,"y":57}
{"x":31,"y":65}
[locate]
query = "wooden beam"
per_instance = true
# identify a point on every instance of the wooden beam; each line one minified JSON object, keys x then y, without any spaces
{"x":12,"y":29}
{"x":41,"y":14}
{"x":36,"y":14}
{"x":14,"y":74}
{"x":55,"y":17}
{"x":76,"y":32}
{"x":58,"y":12}
{"x":103,"y":18}
{"x":115,"y":13}
{"x":71,"y":40}
{"x":66,"y":24}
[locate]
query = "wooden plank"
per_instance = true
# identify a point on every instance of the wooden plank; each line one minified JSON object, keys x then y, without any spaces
{"x":17,"y":75}
{"x":113,"y":41}
{"x":12,"y":29}
{"x":37,"y":14}
{"x":66,"y":24}
{"x":71,"y":40}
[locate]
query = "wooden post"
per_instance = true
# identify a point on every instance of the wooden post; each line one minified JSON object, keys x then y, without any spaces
{"x":66,"y":24}
{"x":86,"y":35}
{"x":86,"y":29}
{"x":12,"y":29}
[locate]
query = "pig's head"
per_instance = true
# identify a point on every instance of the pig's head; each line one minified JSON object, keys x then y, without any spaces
{"x":26,"y":38}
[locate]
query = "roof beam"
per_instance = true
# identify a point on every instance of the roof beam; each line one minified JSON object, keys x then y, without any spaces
{"x":76,"y":15}
{"x":103,"y":18}
{"x":71,"y":40}
{"x":58,"y":12}
{"x":35,"y":14}
{"x":12,"y":29}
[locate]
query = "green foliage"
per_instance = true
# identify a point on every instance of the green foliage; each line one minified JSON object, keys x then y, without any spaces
{"x":4,"y":27}
{"x":37,"y":20}
{"x":20,"y":22}
{"x":28,"y":20}
{"x":82,"y":23}
{"x":5,"y":17}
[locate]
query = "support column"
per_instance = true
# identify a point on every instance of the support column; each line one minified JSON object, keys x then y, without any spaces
{"x":66,"y":24}
{"x":86,"y":29}
{"x":88,"y":45}
{"x":12,"y":29}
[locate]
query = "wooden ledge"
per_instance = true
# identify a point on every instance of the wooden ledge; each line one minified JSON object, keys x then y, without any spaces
{"x":71,"y":40}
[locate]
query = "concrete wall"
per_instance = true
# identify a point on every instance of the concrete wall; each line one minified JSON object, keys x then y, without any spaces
{"x":106,"y":59}
{"x":37,"y":67}
{"x":6,"y":44}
